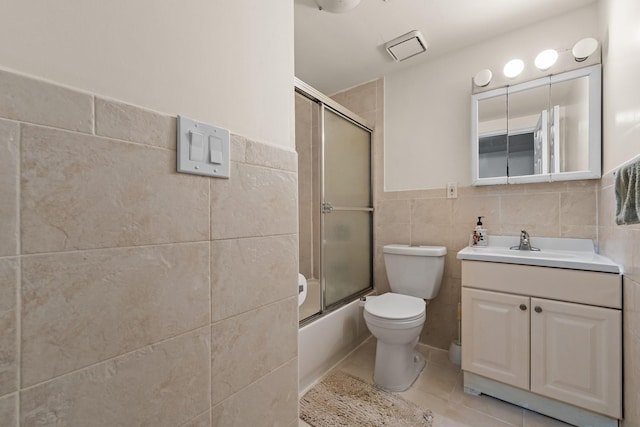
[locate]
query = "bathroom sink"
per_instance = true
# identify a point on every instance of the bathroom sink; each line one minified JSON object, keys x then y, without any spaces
{"x":577,"y":254}
{"x":543,"y":253}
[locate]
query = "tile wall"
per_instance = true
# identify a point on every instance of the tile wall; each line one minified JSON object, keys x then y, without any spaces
{"x":427,"y":217}
{"x":622,"y":244}
{"x":133,"y":295}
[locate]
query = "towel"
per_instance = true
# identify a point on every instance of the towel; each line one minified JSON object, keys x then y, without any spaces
{"x":627,"y":189}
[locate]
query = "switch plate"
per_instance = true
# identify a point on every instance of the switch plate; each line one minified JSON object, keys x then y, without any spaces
{"x":452,"y":190}
{"x":202,"y":149}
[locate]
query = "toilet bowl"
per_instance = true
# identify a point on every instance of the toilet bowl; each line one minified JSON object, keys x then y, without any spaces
{"x":396,"y":321}
{"x":396,"y":318}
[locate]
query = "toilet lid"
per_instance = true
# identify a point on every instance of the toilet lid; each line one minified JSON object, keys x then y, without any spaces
{"x":395,"y":306}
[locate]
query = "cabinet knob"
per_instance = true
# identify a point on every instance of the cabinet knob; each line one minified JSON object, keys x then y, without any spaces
{"x":538,"y":309}
{"x":523,"y":307}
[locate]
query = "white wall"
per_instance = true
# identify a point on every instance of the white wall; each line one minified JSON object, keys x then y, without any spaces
{"x":229,"y":63}
{"x":427,"y":139}
{"x":621,"y":85}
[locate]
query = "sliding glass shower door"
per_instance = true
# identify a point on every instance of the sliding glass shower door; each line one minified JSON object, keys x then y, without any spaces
{"x":347,"y":213}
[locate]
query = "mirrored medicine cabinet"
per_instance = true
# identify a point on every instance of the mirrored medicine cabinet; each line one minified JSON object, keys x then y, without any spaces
{"x":545,"y":130}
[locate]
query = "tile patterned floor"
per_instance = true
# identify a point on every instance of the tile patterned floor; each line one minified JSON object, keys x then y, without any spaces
{"x":439,"y":388}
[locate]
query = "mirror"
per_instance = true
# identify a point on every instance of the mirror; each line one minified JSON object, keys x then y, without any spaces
{"x":544,"y":130}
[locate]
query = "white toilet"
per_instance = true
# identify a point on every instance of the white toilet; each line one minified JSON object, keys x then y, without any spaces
{"x":396,"y":318}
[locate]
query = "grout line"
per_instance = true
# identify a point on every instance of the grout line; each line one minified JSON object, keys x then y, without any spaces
{"x":19,"y":335}
{"x":18,"y":285}
{"x":93,"y":105}
{"x":210,"y":246}
{"x":282,"y":365}
{"x":85,"y":134}
{"x":150,"y":245}
{"x":260,"y":307}
{"x":118,"y":356}
{"x":199,"y":414}
{"x":18,"y":191}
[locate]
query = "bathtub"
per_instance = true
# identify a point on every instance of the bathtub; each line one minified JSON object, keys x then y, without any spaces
{"x":326,"y":341}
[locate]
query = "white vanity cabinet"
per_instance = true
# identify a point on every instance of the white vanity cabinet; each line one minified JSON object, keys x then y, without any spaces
{"x":544,"y":338}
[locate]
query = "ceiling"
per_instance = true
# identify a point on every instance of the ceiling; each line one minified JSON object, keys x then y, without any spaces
{"x":338,"y":51}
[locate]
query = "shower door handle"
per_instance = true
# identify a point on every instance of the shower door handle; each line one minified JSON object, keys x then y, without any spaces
{"x":327,"y":208}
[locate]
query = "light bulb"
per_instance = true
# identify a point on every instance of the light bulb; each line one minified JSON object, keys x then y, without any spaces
{"x":513,"y":68}
{"x":584,"y":48}
{"x":546,"y":59}
{"x":483,"y":78}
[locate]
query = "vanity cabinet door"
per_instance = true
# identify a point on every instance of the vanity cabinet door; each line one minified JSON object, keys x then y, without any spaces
{"x":576,"y":355}
{"x":495,"y":336}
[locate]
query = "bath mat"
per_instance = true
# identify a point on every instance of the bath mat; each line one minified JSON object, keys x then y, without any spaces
{"x":343,"y":400}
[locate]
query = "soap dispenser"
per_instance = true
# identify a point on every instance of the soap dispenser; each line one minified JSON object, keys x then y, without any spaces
{"x":479,"y":235}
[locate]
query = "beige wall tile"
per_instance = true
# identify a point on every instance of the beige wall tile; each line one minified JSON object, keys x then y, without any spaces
{"x":380,"y":280}
{"x":542,"y":187}
{"x":440,"y":327}
{"x":430,"y":234}
{"x":393,"y":212}
{"x":606,"y":207}
{"x":83,"y":307}
{"x":607,"y":180}
{"x":238,"y":148}
{"x":255,"y":201}
{"x":530,"y":209}
{"x":131,"y":123}
{"x":165,"y":384}
{"x":272,"y":401}
{"x":452,"y":265}
{"x":202,"y":420}
{"x":616,"y":244}
{"x":361,"y":99}
{"x":633,"y":271}
{"x":534,"y":230}
{"x":431,"y":211}
{"x":579,"y":231}
{"x":305,"y":183}
{"x":9,"y":411}
{"x":578,"y":208}
{"x":466,"y":211}
{"x":250,"y":273}
{"x":9,"y":161}
{"x":272,"y":157}
{"x":34,"y":101}
{"x":249,"y":346}
{"x":8,"y":325}
{"x":141,"y":199}
{"x":393,"y":234}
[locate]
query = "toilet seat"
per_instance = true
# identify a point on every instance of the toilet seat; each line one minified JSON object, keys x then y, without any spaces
{"x":396,"y":308}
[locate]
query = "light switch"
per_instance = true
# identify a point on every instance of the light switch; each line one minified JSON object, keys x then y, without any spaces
{"x":196,"y":147}
{"x":215,"y":150}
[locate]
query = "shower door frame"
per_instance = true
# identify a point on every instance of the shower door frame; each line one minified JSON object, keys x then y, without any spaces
{"x":327,"y":103}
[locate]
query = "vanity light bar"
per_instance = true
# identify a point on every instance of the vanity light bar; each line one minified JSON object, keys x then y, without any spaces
{"x":544,"y":61}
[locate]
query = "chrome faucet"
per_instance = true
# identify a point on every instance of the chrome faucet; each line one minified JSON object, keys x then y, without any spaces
{"x":525,"y":243}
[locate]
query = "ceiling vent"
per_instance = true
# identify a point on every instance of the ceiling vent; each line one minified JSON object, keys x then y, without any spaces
{"x":406,"y":46}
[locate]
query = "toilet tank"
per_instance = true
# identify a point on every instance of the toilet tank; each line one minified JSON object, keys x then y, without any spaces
{"x":415,"y":270}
